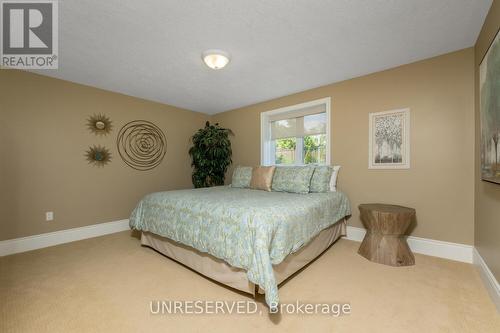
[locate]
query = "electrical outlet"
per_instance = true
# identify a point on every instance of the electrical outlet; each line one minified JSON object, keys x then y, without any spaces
{"x":49,"y":216}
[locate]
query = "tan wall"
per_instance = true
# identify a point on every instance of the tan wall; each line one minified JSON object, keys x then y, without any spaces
{"x":43,"y":138}
{"x":487,"y":195}
{"x":440,"y":93}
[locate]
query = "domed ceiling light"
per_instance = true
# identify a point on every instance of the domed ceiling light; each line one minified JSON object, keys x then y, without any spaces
{"x":215,"y":59}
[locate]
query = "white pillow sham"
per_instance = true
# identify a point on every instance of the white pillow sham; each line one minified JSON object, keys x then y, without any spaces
{"x":333,"y":178}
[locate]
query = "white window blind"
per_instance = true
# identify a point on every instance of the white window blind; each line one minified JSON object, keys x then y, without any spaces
{"x":298,"y":124}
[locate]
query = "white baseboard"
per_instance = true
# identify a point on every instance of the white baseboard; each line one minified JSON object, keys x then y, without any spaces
{"x":355,"y":234}
{"x":430,"y":247}
{"x":29,"y":243}
{"x":489,"y":280}
{"x":453,"y":251}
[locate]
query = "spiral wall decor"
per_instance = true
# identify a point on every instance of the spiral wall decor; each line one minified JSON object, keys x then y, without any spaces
{"x":141,"y":145}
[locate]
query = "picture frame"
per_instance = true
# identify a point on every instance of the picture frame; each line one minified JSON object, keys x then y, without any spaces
{"x":489,"y":111}
{"x":389,"y":139}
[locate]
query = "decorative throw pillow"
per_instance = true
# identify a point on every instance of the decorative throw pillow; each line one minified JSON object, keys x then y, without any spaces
{"x":320,"y":181}
{"x":241,"y":177}
{"x":262,"y":178}
{"x":295,"y":179}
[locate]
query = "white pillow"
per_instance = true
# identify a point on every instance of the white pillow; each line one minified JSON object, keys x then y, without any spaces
{"x":333,"y":178}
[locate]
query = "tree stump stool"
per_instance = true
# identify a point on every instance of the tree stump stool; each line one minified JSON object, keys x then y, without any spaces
{"x":384,"y":241}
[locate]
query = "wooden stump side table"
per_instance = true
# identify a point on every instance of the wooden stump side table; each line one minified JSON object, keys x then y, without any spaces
{"x":384,"y":241}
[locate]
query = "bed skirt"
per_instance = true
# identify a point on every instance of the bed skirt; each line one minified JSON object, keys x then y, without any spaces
{"x":222,"y":272}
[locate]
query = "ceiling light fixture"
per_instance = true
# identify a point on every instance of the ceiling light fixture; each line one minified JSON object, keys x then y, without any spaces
{"x":215,"y":59}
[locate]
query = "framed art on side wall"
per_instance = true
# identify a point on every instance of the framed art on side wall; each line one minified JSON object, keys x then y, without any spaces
{"x":389,"y":140}
{"x":489,"y":108}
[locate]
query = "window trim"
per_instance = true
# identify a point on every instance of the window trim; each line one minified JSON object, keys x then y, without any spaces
{"x":266,"y":149}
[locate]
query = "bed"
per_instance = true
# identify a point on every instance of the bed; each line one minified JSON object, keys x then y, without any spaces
{"x":242,"y":237}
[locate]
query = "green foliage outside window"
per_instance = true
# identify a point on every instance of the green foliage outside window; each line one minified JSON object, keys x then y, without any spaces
{"x":314,"y":150}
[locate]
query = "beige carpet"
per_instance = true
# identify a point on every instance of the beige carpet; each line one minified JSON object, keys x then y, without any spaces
{"x":106,"y":284}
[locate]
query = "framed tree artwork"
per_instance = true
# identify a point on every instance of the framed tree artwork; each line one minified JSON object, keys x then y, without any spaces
{"x":389,"y":140}
{"x":489,"y":106}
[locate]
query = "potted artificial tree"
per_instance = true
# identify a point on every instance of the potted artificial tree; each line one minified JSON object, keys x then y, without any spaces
{"x":211,"y":155}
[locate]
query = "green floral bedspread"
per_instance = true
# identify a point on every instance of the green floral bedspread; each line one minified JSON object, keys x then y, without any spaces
{"x":249,"y":229}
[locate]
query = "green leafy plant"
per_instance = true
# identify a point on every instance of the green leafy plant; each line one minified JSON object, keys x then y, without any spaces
{"x":211,"y":155}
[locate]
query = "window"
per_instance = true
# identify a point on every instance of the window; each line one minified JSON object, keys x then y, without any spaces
{"x":296,"y":135}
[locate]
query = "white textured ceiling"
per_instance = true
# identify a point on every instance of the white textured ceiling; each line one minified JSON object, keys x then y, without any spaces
{"x":152,"y":49}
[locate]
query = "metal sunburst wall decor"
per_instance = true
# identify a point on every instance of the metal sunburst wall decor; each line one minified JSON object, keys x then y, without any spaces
{"x":98,"y":156}
{"x":99,"y":124}
{"x":141,"y":145}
